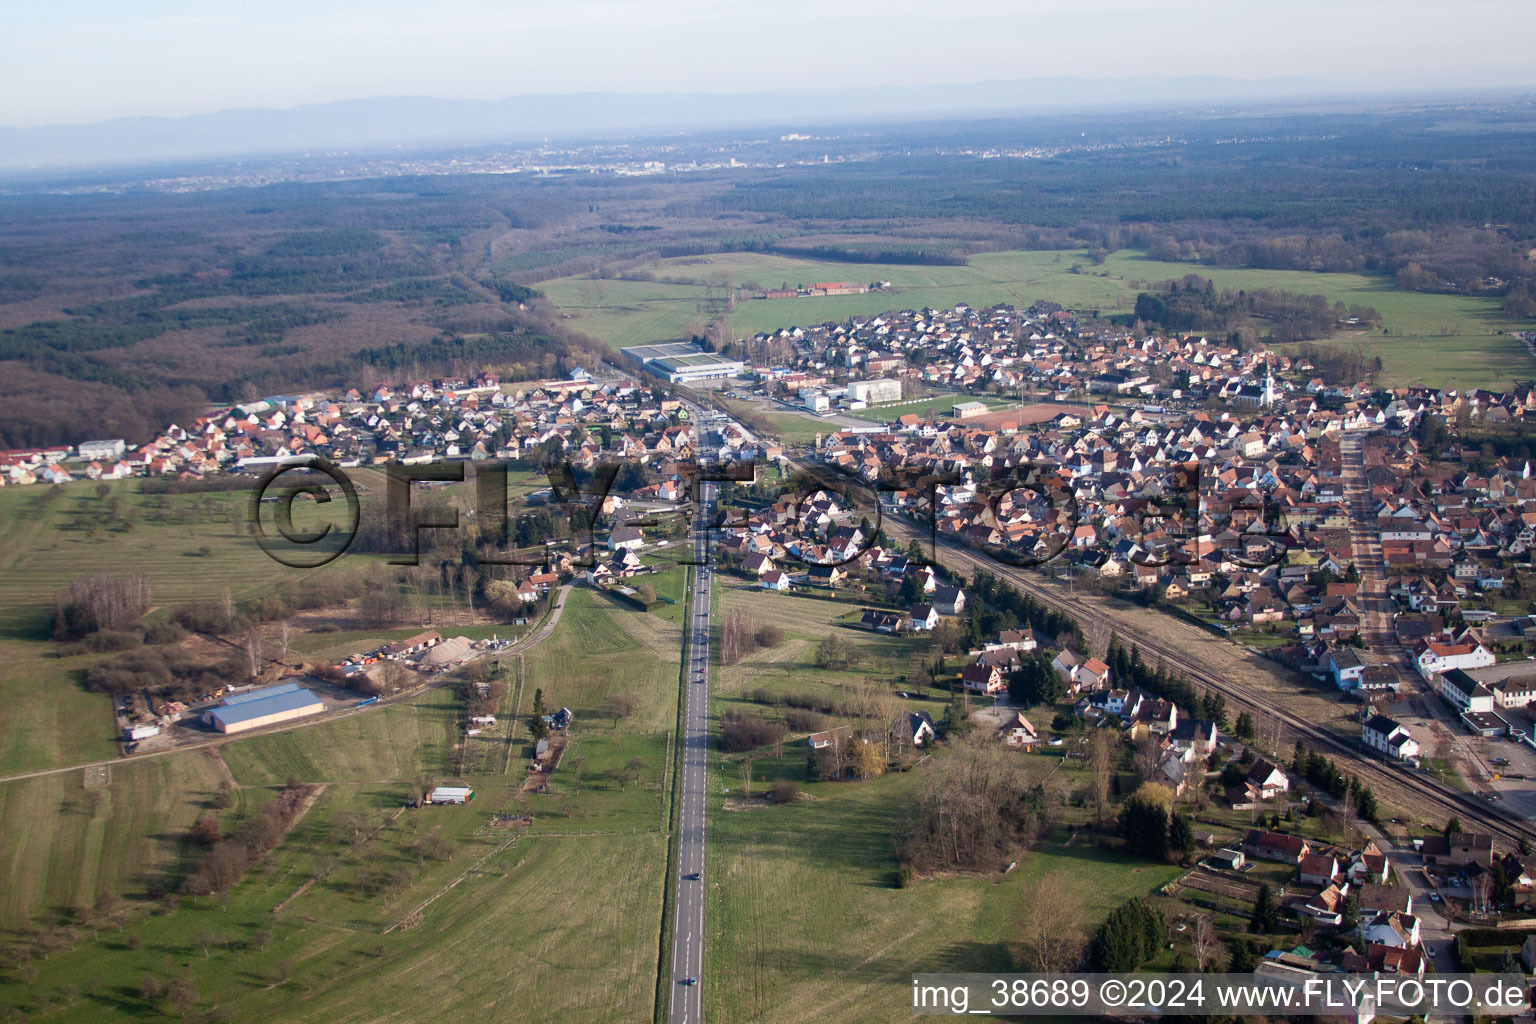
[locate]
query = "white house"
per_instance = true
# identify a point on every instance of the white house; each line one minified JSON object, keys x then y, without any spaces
{"x":1390,"y":928}
{"x":1344,"y":666}
{"x":1016,"y":731}
{"x":915,"y":728}
{"x":1389,"y":737}
{"x":775,"y":579}
{"x":1465,"y":692}
{"x":949,"y":600}
{"x":626,"y":537}
{"x":1434,"y":658}
{"x":1267,"y":780}
{"x":922,"y":617}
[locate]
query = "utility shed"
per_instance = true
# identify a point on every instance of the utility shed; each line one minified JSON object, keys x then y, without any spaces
{"x":256,"y":709}
{"x":451,"y":795}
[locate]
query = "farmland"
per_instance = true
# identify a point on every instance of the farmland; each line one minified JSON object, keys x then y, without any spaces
{"x":194,"y":547}
{"x":849,"y":950}
{"x":1424,"y":338}
{"x":362,"y":888}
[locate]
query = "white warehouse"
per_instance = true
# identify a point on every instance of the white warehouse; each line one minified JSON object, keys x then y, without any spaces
{"x":875,"y":391}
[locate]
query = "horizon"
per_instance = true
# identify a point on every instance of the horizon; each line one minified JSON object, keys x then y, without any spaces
{"x":173,"y":60}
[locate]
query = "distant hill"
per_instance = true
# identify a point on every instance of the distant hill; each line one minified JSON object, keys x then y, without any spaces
{"x":421,"y":121}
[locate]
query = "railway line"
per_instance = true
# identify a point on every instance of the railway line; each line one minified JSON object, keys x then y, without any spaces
{"x":1384,"y":781}
{"x":1473,"y":812}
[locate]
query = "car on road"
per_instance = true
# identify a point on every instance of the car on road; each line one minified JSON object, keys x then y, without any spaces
{"x":1434,"y":897}
{"x":689,"y":981}
{"x":691,"y":877}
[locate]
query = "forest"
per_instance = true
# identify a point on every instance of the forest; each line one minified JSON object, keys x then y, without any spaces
{"x":1194,"y":304}
{"x":144,"y":307}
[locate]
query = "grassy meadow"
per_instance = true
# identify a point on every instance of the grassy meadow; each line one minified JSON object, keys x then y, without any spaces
{"x":555,"y":920}
{"x":802,"y":903}
{"x":194,"y":547}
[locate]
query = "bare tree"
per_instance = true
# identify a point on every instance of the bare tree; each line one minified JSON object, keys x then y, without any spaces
{"x":1145,"y":758}
{"x":1048,"y":925}
{"x":1269,"y":733}
{"x":1204,"y":943}
{"x":253,"y":651}
{"x":1099,"y":766}
{"x":285,"y":634}
{"x":746,"y":776}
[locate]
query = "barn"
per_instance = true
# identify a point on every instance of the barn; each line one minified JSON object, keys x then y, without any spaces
{"x":268,"y":705}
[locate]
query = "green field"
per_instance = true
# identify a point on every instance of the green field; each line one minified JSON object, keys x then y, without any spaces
{"x":802,"y":902}
{"x":1425,"y":338}
{"x":556,"y":921}
{"x":624,"y":313}
{"x":804,"y":910}
{"x":45,"y":542}
{"x":64,"y":845}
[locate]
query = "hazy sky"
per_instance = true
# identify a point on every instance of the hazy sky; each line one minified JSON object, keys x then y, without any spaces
{"x":95,"y":59}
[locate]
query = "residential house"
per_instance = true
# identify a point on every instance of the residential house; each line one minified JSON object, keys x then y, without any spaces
{"x":1458,"y":850}
{"x":1318,"y":868}
{"x":1266,"y":845}
{"x":774,"y":579}
{"x":949,"y":600}
{"x":1017,"y":731}
{"x":922,"y":617}
{"x":912,"y":728}
{"x":1267,"y":781}
{"x":1389,"y":737}
{"x":1390,"y":928}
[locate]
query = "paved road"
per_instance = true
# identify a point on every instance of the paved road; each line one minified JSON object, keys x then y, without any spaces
{"x":688,"y":904}
{"x":1376,"y":627}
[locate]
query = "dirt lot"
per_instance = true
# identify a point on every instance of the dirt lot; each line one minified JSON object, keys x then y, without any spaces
{"x":1014,"y":418}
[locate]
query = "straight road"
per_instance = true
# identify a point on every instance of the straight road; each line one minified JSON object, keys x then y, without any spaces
{"x":688,"y":903}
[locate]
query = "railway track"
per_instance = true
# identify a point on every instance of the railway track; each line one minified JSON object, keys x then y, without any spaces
{"x":1473,"y":812}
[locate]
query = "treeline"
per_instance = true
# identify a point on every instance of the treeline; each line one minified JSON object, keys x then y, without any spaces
{"x":127,"y":322}
{"x":229,"y":857}
{"x":1388,"y":193}
{"x":1131,"y":670}
{"x":1195,"y":304}
{"x":1059,"y":629}
{"x":838,"y":254}
{"x":1322,"y":773}
{"x":99,"y":602}
{"x":205,"y":485}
